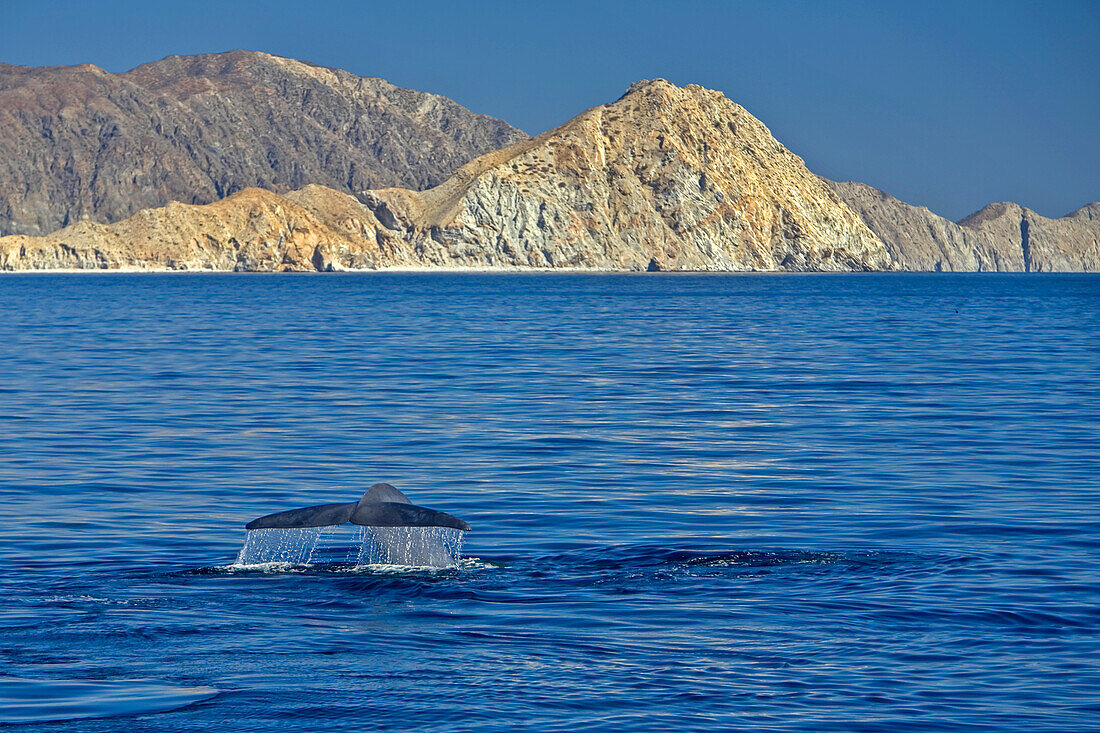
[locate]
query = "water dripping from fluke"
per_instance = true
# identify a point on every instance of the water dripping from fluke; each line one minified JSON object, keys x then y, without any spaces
{"x":350,"y":546}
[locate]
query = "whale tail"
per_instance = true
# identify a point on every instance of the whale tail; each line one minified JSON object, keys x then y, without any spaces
{"x":384,"y":493}
{"x":310,"y":516}
{"x":381,"y":506}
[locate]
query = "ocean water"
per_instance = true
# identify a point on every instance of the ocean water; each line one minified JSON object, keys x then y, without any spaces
{"x":699,"y":502}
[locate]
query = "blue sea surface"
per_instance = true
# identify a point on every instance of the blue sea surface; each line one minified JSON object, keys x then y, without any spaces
{"x":699,"y":502}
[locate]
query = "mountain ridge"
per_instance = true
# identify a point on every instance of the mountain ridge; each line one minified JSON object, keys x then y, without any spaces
{"x":999,"y":237}
{"x":78,"y":142}
{"x":665,"y":177}
{"x":662,"y":178}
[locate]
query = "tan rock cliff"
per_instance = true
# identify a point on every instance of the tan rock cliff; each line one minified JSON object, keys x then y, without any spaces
{"x":253,"y":230}
{"x":663,"y":178}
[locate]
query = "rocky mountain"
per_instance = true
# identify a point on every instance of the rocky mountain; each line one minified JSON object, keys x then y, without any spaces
{"x":663,"y":178}
{"x":79,"y":143}
{"x":1002,"y":237}
{"x":1068,"y":244}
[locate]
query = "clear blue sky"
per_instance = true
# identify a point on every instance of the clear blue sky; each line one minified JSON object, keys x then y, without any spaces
{"x":950,"y":105}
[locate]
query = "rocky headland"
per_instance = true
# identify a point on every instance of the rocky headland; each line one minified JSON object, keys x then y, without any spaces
{"x":78,"y":143}
{"x":1001,"y":237}
{"x":254,"y":230}
{"x":664,"y":178}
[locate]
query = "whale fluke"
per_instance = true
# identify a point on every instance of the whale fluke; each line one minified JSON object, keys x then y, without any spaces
{"x":381,"y":506}
{"x":384,"y":493}
{"x":391,"y":514}
{"x":310,"y":516}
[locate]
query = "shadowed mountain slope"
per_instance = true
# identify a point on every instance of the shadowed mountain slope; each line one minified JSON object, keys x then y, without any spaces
{"x":79,"y":143}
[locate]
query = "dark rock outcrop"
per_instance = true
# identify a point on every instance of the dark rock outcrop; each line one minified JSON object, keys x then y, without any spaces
{"x":78,"y":143}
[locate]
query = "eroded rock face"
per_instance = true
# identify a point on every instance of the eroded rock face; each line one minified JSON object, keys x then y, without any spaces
{"x":664,"y":178}
{"x":1068,"y":244}
{"x":1002,"y":237}
{"x":252,"y":230}
{"x":78,"y":143}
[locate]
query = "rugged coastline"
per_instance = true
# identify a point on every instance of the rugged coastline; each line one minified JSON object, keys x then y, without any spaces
{"x":664,"y":178}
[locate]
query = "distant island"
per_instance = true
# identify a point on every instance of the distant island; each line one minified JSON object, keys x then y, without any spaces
{"x":245,"y":161}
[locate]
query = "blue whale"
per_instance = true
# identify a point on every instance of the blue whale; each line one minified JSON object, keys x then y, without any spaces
{"x":381,"y":506}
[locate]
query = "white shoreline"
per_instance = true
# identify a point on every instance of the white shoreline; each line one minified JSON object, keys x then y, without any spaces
{"x":504,"y":270}
{"x":396,"y":268}
{"x":430,"y":269}
{"x":172,"y":271}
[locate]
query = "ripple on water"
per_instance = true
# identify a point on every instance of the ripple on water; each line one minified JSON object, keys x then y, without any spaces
{"x":25,"y":700}
{"x":837,"y":502}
